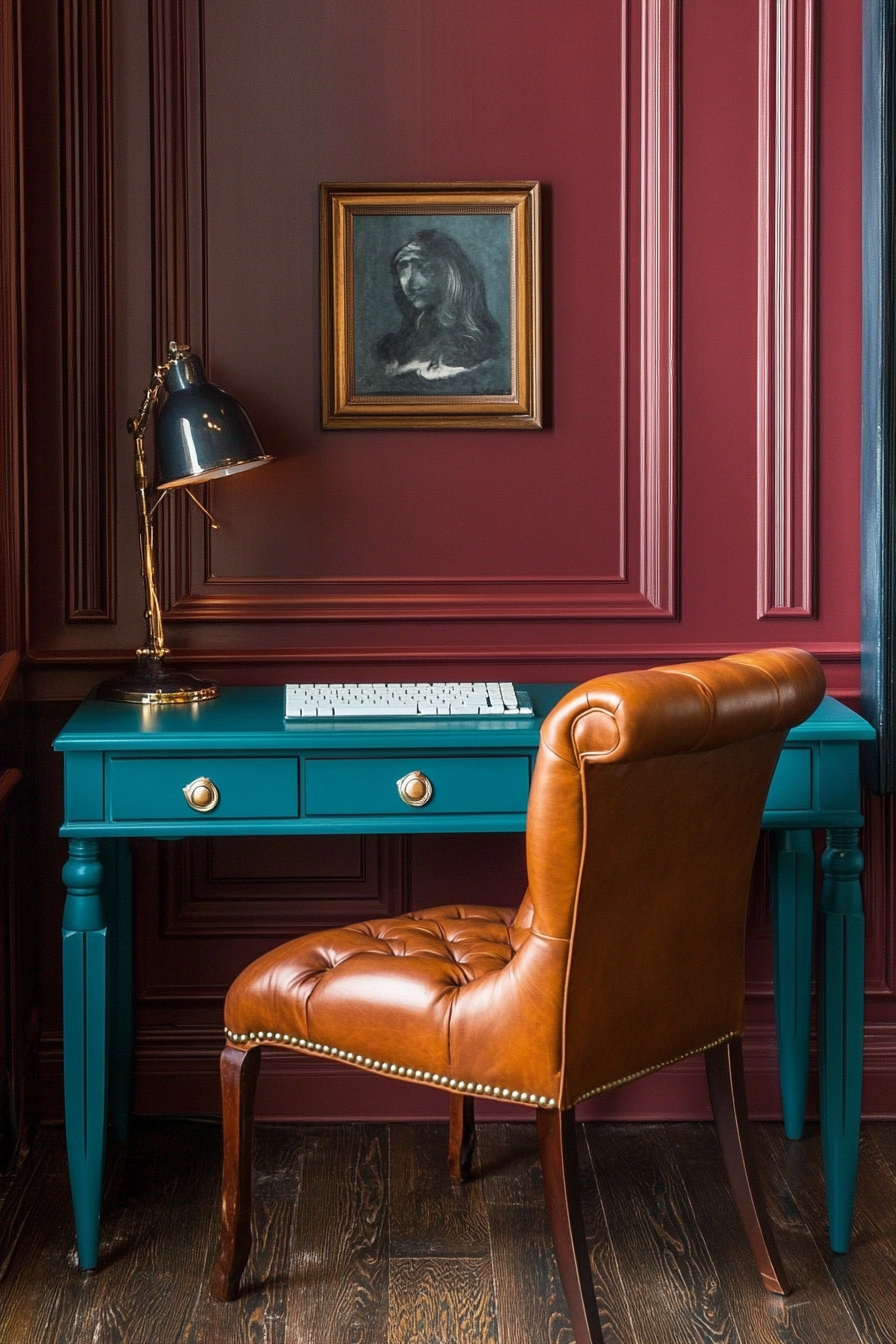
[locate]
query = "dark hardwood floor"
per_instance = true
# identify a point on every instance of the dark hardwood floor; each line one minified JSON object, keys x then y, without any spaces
{"x":361,"y":1239}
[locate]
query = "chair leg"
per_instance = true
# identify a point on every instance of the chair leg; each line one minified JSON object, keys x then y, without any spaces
{"x":239,"y":1074}
{"x":725,"y":1075}
{"x":461,"y":1137}
{"x":560,"y":1170}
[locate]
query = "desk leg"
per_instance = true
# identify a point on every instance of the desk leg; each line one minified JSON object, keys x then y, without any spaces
{"x":841,"y":989}
{"x":84,"y":1035}
{"x":792,"y":883}
{"x":116,"y":860}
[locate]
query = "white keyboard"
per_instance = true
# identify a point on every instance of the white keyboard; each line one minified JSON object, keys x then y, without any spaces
{"x":404,"y":699}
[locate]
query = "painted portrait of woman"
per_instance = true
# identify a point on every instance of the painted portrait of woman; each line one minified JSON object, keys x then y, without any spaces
{"x":447,"y":330}
{"x":432,"y":301}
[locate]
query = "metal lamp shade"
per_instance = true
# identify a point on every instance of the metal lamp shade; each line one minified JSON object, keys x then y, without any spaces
{"x":201,"y":432}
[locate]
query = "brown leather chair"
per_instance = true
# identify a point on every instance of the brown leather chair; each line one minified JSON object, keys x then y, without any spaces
{"x":627,"y":952}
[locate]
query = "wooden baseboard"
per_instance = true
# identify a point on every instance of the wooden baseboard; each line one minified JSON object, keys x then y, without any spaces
{"x":176,"y":1072}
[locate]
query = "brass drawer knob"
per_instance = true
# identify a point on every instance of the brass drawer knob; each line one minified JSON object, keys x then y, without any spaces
{"x":415,"y":789}
{"x":202,"y":795}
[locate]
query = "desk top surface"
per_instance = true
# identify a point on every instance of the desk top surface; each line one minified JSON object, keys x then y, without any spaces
{"x":251,"y":718}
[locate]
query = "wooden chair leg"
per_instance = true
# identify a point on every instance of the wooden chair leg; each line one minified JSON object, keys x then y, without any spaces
{"x":239,"y":1075}
{"x":560,"y":1170}
{"x":461,"y":1137}
{"x":725,"y":1075}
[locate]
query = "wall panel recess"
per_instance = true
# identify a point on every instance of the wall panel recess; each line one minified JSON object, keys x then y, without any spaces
{"x":624,"y":563}
{"x":239,"y":897}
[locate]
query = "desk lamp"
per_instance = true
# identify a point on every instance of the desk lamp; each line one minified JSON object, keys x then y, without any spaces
{"x":201,"y":433}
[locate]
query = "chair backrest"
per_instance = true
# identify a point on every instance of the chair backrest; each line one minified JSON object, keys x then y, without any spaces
{"x":643,"y":821}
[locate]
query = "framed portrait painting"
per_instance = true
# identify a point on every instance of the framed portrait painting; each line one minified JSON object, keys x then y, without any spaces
{"x":430,"y":305}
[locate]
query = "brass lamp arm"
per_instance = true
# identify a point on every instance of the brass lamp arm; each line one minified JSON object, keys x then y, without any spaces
{"x":137,"y":426}
{"x":155,"y":635}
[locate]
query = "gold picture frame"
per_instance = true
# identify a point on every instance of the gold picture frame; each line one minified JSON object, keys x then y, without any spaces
{"x":430,"y":305}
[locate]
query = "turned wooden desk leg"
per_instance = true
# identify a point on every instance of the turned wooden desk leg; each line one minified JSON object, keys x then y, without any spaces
{"x":84,"y":1040}
{"x":461,"y":1137}
{"x":792,"y":901}
{"x":239,"y":1076}
{"x":841,"y":995}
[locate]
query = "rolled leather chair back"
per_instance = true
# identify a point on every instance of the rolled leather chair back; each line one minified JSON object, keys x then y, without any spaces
{"x":643,"y":820}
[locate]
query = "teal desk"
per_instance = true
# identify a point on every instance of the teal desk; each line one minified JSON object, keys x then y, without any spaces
{"x":126,"y":771}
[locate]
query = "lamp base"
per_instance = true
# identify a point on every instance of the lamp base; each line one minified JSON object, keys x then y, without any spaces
{"x":152,"y":684}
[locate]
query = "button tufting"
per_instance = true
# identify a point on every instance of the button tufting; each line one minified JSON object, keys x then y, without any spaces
{"x":445,"y":950}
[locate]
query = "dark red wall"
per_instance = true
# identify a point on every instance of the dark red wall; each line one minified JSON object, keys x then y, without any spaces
{"x":690,"y":354}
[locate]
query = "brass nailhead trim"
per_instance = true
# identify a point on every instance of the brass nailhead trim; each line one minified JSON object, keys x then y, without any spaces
{"x":642,"y":1073}
{"x":441,"y":1080}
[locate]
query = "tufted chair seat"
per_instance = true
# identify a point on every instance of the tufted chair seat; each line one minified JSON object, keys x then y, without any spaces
{"x":406,"y":1012}
{"x":418,"y":1014}
{"x":626,"y":953}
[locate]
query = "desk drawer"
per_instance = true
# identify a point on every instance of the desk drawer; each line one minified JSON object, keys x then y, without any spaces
{"x":151,"y":788}
{"x":367,"y":786}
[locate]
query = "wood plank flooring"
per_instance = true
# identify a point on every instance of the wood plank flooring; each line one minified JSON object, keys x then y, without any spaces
{"x":360,"y":1238}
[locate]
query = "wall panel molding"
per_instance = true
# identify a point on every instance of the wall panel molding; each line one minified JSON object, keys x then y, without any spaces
{"x":618,"y":654}
{"x":177,"y":97}
{"x":69,"y":675}
{"x":659,"y":267}
{"x":12,"y":336}
{"x":177,"y":1071}
{"x":88,"y":309}
{"x":238,"y":897}
{"x":192,"y":588}
{"x":786,"y":421}
{"x":204,"y":891}
{"x":179,"y":243}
